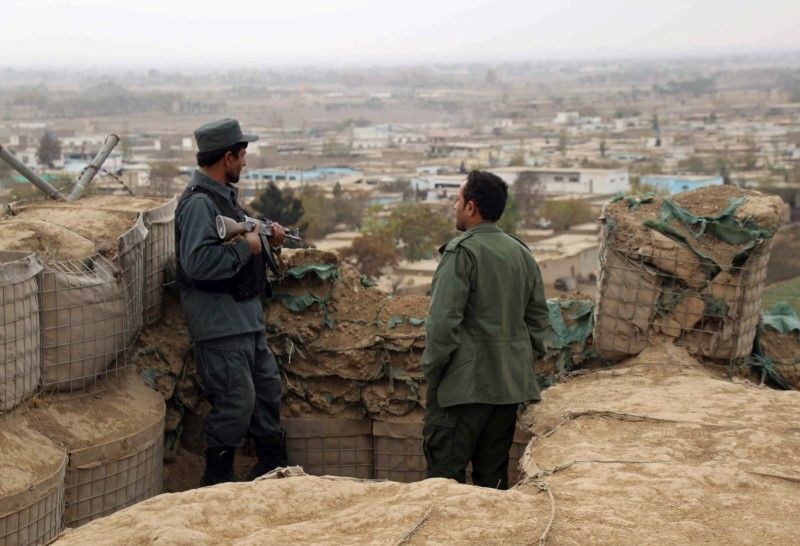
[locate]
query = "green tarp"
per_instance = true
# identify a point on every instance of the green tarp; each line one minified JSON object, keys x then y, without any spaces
{"x":781,"y":317}
{"x":322,"y":271}
{"x":724,"y":226}
{"x":578,"y":312}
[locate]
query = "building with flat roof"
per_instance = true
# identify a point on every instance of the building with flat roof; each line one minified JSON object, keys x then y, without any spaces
{"x":556,"y":181}
{"x":675,"y":183}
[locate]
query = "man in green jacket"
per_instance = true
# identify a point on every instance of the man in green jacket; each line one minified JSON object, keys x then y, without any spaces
{"x":486,"y":324}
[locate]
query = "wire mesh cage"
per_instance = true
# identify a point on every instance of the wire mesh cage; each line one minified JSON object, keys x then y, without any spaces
{"x":159,"y":248}
{"x":338,"y":447}
{"x":651,"y":285}
{"x":130,"y":261}
{"x":20,"y":364}
{"x":32,"y":471}
{"x":398,"y":451}
{"x":101,"y":488}
{"x":86,"y":327}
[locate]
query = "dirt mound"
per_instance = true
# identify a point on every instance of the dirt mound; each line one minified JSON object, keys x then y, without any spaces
{"x":662,"y":449}
{"x":51,"y":242}
{"x":319,"y":510}
{"x":102,"y":227}
{"x":120,"y":202}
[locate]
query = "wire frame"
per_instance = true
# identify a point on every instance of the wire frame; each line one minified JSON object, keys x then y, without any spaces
{"x":159,"y":249}
{"x":645,"y":292}
{"x":40,"y":520}
{"x":130,"y":262}
{"x":20,"y":364}
{"x":86,"y":325}
{"x":97,"y":490}
{"x":398,"y":451}
{"x":338,"y":447}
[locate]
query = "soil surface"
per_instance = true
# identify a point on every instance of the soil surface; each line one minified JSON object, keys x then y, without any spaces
{"x":26,"y":457}
{"x":664,"y":450}
{"x":51,"y":242}
{"x":326,"y":510}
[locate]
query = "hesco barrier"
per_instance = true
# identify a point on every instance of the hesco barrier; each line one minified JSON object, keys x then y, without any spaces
{"x":20,"y":347}
{"x":398,"y":451}
{"x":130,"y":260}
{"x":115,"y":446}
{"x":691,"y":267}
{"x":336,"y":447}
{"x":159,"y":247}
{"x":32,"y":472}
{"x":85,"y":323}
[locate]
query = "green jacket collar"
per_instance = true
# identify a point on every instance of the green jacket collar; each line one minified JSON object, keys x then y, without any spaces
{"x":200,"y":178}
{"x":488,"y":227}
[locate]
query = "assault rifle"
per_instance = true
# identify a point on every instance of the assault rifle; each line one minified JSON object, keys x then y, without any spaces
{"x":228,"y":228}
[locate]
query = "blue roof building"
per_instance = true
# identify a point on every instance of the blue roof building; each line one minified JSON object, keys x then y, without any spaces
{"x":674,"y":183}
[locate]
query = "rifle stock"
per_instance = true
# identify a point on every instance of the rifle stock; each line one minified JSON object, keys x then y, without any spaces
{"x":228,"y":228}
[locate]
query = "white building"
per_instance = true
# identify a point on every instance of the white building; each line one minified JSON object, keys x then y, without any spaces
{"x":566,"y":118}
{"x":372,"y":137}
{"x":572,"y":181}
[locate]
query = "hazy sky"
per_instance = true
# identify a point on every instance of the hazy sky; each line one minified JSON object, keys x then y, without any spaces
{"x":154,"y":32}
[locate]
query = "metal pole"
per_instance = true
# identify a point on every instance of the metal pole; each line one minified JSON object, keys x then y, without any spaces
{"x":91,"y":169}
{"x":34,"y":178}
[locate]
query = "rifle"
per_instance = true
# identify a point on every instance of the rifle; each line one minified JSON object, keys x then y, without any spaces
{"x":228,"y":228}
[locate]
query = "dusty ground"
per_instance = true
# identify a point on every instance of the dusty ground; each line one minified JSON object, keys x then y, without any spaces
{"x":663,"y":450}
{"x":658,"y":450}
{"x":315,"y":510}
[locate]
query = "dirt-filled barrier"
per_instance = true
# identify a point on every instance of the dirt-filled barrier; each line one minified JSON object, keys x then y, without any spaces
{"x":335,"y":447}
{"x":346,"y":349}
{"x":32,"y":470}
{"x":51,"y":242}
{"x":118,"y":235}
{"x":159,"y":247}
{"x":115,"y":448}
{"x":316,"y":510}
{"x":85,"y":323}
{"x":662,"y":448}
{"x":20,"y":347}
{"x":100,"y":264}
{"x":691,"y":267}
{"x":777,"y":349}
{"x":350,"y":356}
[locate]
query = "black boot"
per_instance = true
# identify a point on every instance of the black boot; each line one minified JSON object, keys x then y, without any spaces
{"x":271,"y":453}
{"x":219,"y":465}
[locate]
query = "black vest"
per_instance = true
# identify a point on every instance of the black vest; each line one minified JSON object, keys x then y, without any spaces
{"x":250,"y":281}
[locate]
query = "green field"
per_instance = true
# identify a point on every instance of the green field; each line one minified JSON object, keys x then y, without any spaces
{"x":788,"y":291}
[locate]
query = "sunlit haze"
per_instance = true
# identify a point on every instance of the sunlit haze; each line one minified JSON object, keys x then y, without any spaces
{"x":250,"y":32}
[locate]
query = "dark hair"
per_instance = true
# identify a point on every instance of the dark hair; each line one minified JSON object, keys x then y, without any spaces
{"x":206,"y":159}
{"x":488,"y":191}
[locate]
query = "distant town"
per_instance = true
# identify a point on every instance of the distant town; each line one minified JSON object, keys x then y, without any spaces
{"x":368,"y":161}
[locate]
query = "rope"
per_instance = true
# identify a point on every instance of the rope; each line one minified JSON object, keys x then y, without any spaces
{"x":546,"y":533}
{"x":416,"y":528}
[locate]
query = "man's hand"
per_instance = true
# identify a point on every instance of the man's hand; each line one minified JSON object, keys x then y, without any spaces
{"x":278,"y":231}
{"x":254,"y":240}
